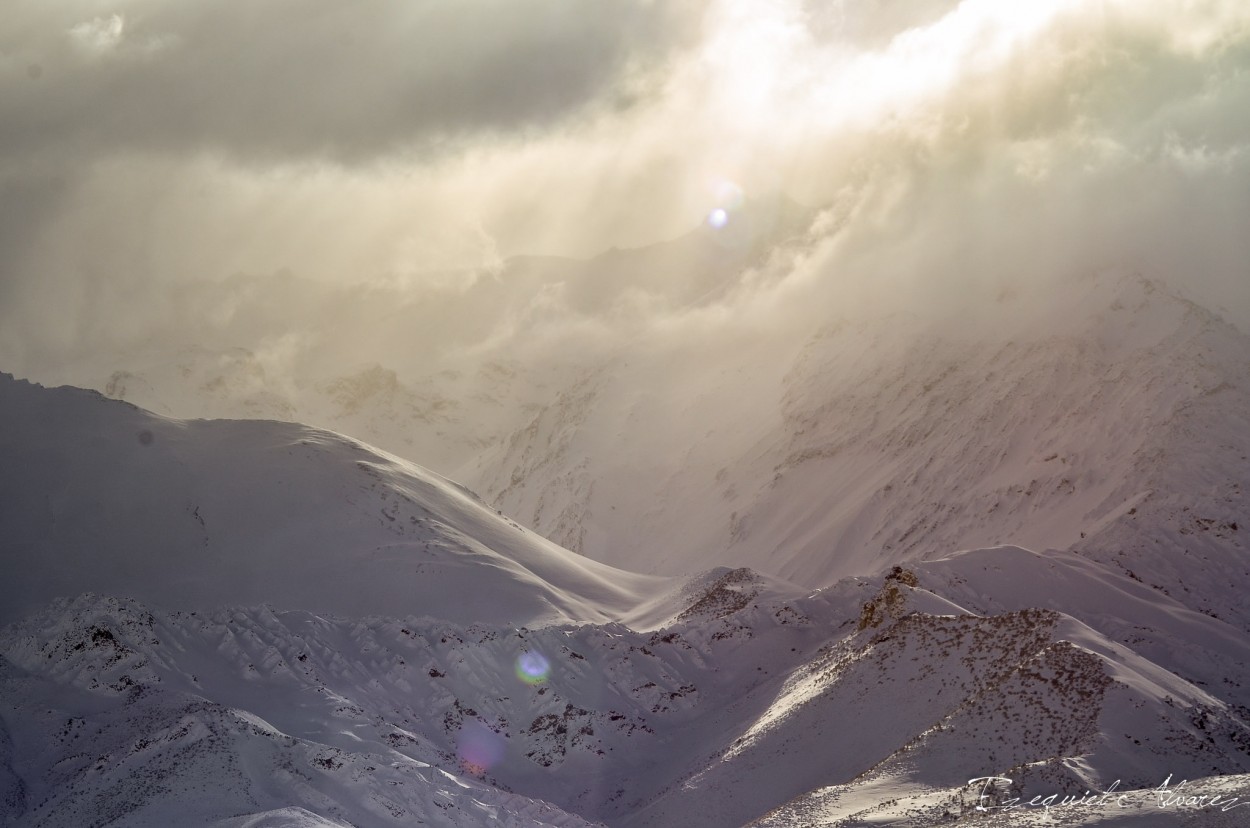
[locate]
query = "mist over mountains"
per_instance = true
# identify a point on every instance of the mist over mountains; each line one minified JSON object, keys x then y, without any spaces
{"x":842,"y":449}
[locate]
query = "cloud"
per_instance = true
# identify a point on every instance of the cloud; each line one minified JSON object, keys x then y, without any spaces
{"x":287,"y":79}
{"x":154,"y":143}
{"x":232,"y":173}
{"x":100,"y":35}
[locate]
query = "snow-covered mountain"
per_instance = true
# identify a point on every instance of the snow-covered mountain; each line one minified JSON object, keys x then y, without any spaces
{"x":290,"y":657}
{"x":1105,"y":414}
{"x":749,"y":704}
{"x":98,"y":495}
{"x":824,"y":574}
{"x":1113,"y":422}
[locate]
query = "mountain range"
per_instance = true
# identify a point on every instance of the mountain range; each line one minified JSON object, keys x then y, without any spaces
{"x":896,"y":567}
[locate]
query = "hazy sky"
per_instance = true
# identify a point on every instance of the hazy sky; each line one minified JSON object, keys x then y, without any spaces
{"x":155,"y":150}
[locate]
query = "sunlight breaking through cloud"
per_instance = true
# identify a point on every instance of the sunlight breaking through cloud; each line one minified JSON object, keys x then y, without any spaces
{"x":909,"y":129}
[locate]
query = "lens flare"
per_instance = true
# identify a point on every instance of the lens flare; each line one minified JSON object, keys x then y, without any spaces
{"x":728,"y":198}
{"x":478,"y":747}
{"x":532,"y":667}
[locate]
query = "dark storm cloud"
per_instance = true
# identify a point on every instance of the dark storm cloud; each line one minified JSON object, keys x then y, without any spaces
{"x":315,"y":77}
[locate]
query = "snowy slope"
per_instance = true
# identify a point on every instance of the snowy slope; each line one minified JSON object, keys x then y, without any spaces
{"x":96,"y":495}
{"x":126,"y":742}
{"x":289,"y":628}
{"x":917,"y":701}
{"x":315,"y":633}
{"x":753,"y":700}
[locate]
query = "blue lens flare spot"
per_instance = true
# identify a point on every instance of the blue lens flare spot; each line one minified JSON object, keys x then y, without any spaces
{"x":532,"y":668}
{"x":727,"y":198}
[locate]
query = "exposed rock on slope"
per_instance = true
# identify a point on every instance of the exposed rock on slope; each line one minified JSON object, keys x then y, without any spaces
{"x":728,"y":710}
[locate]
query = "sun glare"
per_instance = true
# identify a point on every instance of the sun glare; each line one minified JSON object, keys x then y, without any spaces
{"x":770,"y":70}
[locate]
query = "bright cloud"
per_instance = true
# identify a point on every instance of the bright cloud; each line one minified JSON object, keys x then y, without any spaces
{"x":413,"y":147}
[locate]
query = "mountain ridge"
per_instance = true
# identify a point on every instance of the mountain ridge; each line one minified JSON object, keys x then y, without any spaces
{"x":103,"y":496}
